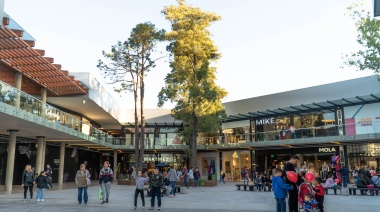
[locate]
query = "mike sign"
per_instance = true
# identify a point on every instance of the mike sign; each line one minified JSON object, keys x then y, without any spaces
{"x":265,"y":121}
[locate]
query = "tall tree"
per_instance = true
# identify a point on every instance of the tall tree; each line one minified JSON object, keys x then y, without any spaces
{"x":191,"y":82}
{"x":368,"y":28}
{"x":128,"y":64}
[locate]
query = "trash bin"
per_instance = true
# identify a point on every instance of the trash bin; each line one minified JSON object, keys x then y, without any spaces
{"x":213,"y":177}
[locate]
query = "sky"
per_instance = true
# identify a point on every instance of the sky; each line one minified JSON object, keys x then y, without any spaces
{"x":267,"y":46}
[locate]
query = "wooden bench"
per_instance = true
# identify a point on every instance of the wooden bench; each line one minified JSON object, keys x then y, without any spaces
{"x":251,"y":187}
{"x":335,"y":189}
{"x":372,"y":191}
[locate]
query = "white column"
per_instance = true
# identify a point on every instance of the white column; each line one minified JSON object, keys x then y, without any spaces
{"x":61,"y":165}
{"x":39,"y":156}
{"x":43,"y":94}
{"x":10,"y":161}
{"x":114,"y":165}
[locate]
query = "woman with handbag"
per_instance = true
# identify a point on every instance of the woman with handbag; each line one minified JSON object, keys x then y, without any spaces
{"x":82,"y":179}
{"x":28,"y":181}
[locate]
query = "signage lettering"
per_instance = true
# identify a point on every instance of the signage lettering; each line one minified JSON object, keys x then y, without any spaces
{"x":49,"y":112}
{"x":332,"y":149}
{"x":265,"y":121}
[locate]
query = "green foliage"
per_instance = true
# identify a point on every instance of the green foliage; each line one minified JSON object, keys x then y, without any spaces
{"x":191,"y":82}
{"x":368,"y":57}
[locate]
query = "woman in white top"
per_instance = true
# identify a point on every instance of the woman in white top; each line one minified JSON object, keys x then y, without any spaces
{"x":191,"y":175}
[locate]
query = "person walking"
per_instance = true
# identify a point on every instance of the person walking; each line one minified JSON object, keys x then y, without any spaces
{"x":82,"y":180}
{"x":197,"y":176}
{"x":41,"y":183}
{"x":155,"y":188}
{"x":292,"y":130}
{"x":105,"y":179}
{"x":325,"y":170}
{"x":191,"y":176}
{"x":185,"y":175}
{"x":28,"y":181}
{"x":49,"y":173}
{"x":140,"y":184}
{"x":172,"y":175}
{"x":291,"y":165}
{"x":222,"y":176}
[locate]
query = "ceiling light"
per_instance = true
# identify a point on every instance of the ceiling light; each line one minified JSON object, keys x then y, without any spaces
{"x":84,"y":101}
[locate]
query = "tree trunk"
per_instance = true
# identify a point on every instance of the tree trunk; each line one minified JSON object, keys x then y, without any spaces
{"x":193,"y":142}
{"x":142,"y":118}
{"x":137,"y":158}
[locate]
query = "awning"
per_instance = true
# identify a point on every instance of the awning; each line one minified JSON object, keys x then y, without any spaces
{"x":327,"y":106}
{"x":18,"y":54}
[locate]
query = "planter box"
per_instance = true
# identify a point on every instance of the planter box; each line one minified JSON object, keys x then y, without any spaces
{"x":126,"y":182}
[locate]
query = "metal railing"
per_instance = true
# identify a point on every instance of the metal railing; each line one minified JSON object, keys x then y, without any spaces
{"x":21,"y":100}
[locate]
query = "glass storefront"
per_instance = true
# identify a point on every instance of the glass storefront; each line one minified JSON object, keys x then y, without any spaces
{"x":233,"y":163}
{"x":367,"y":155}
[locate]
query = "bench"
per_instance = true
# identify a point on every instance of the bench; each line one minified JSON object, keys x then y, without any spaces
{"x":335,"y":189}
{"x":372,"y":191}
{"x":251,"y":187}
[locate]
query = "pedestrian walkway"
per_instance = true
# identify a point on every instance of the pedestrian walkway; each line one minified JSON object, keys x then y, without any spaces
{"x":224,"y":197}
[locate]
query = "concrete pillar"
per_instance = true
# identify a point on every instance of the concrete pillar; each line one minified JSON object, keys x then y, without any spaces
{"x":10,"y":161}
{"x":61,"y":164}
{"x":39,"y":156}
{"x":43,"y":94}
{"x":18,"y":82}
{"x":43,"y":155}
{"x":115,"y":165}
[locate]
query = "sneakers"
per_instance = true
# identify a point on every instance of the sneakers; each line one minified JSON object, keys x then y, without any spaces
{"x":102,"y":202}
{"x":106,"y":200}
{"x":38,"y":200}
{"x":24,"y":200}
{"x":143,"y":207}
{"x":151,"y":208}
{"x":42,"y":200}
{"x":171,"y":196}
{"x":159,"y":208}
{"x":134,"y":208}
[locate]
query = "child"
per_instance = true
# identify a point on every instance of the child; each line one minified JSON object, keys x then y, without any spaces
{"x":308,"y":203}
{"x":280,"y":188}
{"x":319,"y":193}
{"x":140,"y":181}
{"x":41,"y":181}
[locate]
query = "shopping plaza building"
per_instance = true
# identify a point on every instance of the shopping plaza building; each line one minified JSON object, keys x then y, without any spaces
{"x":52,"y":116}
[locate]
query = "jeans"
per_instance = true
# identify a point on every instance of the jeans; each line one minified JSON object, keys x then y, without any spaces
{"x":325,"y":174}
{"x":246,"y":179}
{"x":80,"y":192}
{"x":30,"y":190}
{"x":185,"y":181}
{"x":40,"y":193}
{"x":196,"y":180}
{"x":280,"y":205}
{"x":141,"y":192}
{"x":155,"y":191}
{"x":106,"y":190}
{"x":48,"y":184}
{"x":222,"y":180}
{"x":173,"y":185}
{"x":259,"y":187}
{"x":345,"y":180}
{"x":190,"y":181}
{"x":293,"y":135}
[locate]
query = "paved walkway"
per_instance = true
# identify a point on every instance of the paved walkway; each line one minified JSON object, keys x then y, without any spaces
{"x":224,"y":197}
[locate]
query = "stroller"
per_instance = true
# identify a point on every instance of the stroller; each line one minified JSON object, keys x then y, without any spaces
{"x":305,"y":188}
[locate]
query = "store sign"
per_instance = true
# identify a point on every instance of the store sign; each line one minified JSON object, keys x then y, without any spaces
{"x":265,"y":121}
{"x":49,"y":112}
{"x":332,"y":149}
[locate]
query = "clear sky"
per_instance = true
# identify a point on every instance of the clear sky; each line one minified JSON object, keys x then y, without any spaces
{"x":267,"y":46}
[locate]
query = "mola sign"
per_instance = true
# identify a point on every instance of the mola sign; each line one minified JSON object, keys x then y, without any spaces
{"x":332,"y":149}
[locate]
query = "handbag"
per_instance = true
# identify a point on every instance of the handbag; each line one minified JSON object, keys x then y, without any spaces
{"x":88,"y":181}
{"x":100,"y":194}
{"x":371,"y":186}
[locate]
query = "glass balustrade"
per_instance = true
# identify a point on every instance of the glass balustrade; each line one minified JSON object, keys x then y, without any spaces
{"x":12,"y":96}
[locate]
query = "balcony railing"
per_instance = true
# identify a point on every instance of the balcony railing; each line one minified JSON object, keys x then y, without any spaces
{"x":21,"y":100}
{"x":332,"y":131}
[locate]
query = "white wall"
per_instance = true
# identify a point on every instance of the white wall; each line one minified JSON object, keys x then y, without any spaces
{"x":366,"y":119}
{"x":202,"y":166}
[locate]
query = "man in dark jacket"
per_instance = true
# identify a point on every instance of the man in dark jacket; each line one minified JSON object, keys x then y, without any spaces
{"x":291,"y":165}
{"x":155,"y":187}
{"x":344,"y":173}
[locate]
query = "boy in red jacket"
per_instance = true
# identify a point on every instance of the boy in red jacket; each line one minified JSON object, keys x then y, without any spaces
{"x":319,"y":193}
